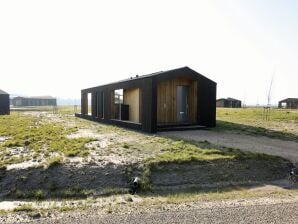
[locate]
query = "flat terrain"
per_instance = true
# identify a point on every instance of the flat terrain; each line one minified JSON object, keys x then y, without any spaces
{"x":275,"y":123}
{"x":53,"y":165}
{"x":279,"y":147}
{"x":272,"y":213}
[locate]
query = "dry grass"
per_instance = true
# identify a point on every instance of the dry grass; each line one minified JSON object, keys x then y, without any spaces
{"x":38,"y":135}
{"x":281,"y":124}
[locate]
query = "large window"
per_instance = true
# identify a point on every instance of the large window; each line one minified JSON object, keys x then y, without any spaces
{"x":118,"y":93}
{"x":117,"y":103}
{"x":126,"y":104}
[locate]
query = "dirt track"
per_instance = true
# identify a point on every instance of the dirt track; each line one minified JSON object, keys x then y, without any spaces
{"x":286,"y":149}
{"x":241,"y":211}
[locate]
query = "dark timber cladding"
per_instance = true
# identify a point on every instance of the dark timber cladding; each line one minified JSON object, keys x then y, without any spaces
{"x":4,"y":103}
{"x":34,"y":101}
{"x":171,"y":98}
{"x":228,"y":102}
{"x":289,"y":103}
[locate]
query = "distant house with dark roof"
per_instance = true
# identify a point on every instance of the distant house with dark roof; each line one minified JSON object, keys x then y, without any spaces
{"x":228,"y":102}
{"x":289,"y":103}
{"x":176,"y":99}
{"x":4,"y":103}
{"x":34,"y":101}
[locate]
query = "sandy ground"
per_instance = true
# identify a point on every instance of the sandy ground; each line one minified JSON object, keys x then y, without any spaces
{"x":280,"y":209}
{"x":286,"y":149}
{"x":105,"y":166}
{"x":277,"y":213}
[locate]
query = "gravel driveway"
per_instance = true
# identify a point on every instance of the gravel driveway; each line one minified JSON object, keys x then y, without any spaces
{"x":273,"y":213}
{"x":286,"y":149}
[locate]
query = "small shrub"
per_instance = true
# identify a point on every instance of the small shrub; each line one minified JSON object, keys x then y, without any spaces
{"x":53,"y":186}
{"x":54,"y":161}
{"x":39,"y":194}
{"x":19,"y":194}
{"x":126,"y":145}
{"x":24,"y":208}
{"x":72,"y":153}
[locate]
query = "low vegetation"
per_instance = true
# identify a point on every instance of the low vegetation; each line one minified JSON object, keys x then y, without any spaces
{"x":37,"y":135}
{"x":281,"y":123}
{"x":54,"y":161}
{"x":24,"y":208}
{"x":206,"y":163}
{"x":117,"y":155}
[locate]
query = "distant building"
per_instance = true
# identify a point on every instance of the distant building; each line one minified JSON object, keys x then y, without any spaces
{"x":228,"y":102}
{"x":289,"y":103}
{"x":4,"y":103}
{"x":34,"y":101}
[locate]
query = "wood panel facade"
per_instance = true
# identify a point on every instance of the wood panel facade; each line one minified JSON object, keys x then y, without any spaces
{"x":131,"y":97}
{"x":167,"y":102}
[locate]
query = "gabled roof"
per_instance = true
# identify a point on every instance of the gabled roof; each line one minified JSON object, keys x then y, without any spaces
{"x":229,"y":99}
{"x":137,"y":77}
{"x":232,"y":99}
{"x":3,"y":93}
{"x":289,"y":99}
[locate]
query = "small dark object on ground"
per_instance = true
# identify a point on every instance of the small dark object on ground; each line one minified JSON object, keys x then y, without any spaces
{"x":294,"y":175}
{"x":134,"y":185}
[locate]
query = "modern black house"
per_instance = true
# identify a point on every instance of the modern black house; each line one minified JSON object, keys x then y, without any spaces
{"x":168,"y":99}
{"x":228,"y":102}
{"x":289,"y":103}
{"x":4,"y":103}
{"x":20,"y":101}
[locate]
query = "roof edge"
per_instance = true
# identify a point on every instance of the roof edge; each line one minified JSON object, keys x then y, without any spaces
{"x":149,"y":76}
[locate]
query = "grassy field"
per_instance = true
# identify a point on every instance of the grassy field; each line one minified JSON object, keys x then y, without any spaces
{"x":38,"y":136}
{"x":281,"y":123}
{"x":71,"y":158}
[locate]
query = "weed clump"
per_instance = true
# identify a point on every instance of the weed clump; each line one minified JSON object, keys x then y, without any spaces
{"x":54,"y":161}
{"x":24,"y":208}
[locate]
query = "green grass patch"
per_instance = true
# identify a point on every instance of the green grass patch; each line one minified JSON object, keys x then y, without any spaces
{"x":38,"y":194}
{"x":282,"y":124}
{"x":216,"y":163}
{"x":183,"y":152}
{"x":24,"y":208}
{"x":228,"y":193}
{"x":114,"y":190}
{"x":38,"y":135}
{"x":54,"y":161}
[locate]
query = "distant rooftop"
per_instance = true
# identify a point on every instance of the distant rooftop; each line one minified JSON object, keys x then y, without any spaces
{"x":3,"y":92}
{"x":229,"y":98}
{"x":233,"y":99}
{"x":289,"y":99}
{"x":36,"y":97}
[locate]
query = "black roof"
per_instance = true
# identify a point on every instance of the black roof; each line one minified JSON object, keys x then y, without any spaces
{"x":35,"y":97}
{"x":232,"y":99}
{"x":289,"y":99}
{"x":229,"y":99}
{"x":136,"y":77}
{"x":3,"y":93}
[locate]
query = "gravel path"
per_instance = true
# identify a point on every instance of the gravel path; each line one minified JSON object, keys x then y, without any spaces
{"x":286,"y":149}
{"x":276,"y":213}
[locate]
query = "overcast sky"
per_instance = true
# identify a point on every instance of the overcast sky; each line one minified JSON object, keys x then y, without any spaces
{"x":59,"y":47}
